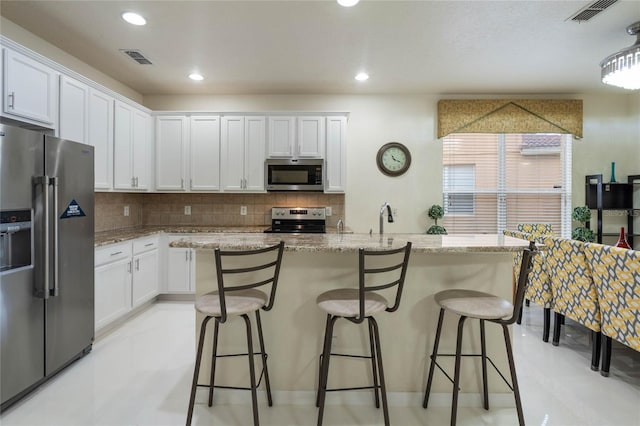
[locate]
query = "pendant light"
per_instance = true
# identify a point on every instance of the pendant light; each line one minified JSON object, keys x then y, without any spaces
{"x":622,"y":69}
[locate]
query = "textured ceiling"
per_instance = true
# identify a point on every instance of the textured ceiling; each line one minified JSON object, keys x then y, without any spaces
{"x":315,"y":47}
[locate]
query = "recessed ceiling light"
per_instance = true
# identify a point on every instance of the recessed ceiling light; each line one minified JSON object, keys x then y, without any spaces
{"x":196,"y":77}
{"x":348,"y":3}
{"x":363,"y":76}
{"x":134,"y":18}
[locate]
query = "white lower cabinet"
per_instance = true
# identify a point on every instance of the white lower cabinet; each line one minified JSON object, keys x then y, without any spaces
{"x":180,"y":270}
{"x":126,"y":276}
{"x":112,"y":283}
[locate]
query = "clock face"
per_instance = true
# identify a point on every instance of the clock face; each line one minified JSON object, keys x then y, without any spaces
{"x":393,"y":159}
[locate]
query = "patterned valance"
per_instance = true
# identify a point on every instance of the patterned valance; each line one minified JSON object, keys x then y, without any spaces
{"x":510,"y":116}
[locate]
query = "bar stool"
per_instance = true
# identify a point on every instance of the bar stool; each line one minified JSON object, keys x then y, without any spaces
{"x":359,"y":304}
{"x":239,"y":298}
{"x":484,"y":307}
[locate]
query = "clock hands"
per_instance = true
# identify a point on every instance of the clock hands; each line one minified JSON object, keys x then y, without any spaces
{"x":395,"y":159}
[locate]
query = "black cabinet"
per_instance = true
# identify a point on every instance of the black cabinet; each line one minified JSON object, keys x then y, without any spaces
{"x":614,"y":197}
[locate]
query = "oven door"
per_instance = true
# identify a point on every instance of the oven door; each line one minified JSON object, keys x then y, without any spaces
{"x":297,"y":226}
{"x":294,"y":175}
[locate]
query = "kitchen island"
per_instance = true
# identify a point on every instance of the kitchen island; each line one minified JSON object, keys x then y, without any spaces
{"x":314,"y":263}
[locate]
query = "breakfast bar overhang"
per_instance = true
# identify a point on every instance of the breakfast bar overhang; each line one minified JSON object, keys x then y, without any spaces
{"x":314,"y":263}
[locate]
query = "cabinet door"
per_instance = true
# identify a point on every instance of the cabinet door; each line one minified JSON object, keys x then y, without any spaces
{"x":311,"y":137}
{"x":145,"y":277}
{"x":172,"y":134}
{"x":232,"y":153}
{"x":29,"y":89}
{"x":336,"y":162}
{"x":205,"y":153}
{"x":141,"y":153}
{"x":255,"y":134}
{"x":112,"y":291}
{"x":74,"y":110}
{"x":282,"y":133}
{"x":179,"y":261}
{"x":100,"y":135}
{"x":122,"y":146}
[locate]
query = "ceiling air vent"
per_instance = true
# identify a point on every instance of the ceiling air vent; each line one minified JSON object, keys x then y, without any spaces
{"x":137,"y":56}
{"x":591,"y":10}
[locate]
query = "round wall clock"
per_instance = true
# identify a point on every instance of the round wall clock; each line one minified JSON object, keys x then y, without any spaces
{"x":393,"y":159}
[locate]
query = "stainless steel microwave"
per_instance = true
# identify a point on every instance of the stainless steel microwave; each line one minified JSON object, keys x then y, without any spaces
{"x":294,"y":175}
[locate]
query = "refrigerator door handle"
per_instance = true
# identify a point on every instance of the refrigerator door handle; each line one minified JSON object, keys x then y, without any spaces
{"x":43,"y":181}
{"x":55,"y":291}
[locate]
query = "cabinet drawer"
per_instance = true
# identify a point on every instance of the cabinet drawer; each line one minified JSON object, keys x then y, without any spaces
{"x":145,"y":244}
{"x":112,"y":253}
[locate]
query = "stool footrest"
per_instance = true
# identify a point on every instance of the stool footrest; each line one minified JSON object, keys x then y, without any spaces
{"x":354,"y":388}
{"x":243,"y":354}
{"x":350,"y":356}
{"x":471,"y":355}
{"x":224,"y":387}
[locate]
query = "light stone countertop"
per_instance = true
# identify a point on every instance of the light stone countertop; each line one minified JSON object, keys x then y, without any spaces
{"x":421,"y":243}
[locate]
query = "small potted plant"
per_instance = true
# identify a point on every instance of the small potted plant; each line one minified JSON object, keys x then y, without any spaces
{"x":582,"y":214}
{"x":436,"y":212}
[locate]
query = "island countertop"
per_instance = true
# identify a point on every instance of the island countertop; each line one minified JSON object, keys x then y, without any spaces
{"x":421,"y":243}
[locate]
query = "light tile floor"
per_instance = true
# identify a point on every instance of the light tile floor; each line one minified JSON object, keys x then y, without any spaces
{"x":140,"y":375}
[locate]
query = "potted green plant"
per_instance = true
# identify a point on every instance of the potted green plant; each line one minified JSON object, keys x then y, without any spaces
{"x":582,"y":214}
{"x":436,"y":212}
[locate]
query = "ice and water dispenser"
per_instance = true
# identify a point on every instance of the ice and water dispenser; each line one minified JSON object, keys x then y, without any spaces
{"x":15,"y":239}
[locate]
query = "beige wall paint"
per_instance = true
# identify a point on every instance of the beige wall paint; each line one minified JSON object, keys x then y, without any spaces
{"x":30,"y":41}
{"x":611,"y":133}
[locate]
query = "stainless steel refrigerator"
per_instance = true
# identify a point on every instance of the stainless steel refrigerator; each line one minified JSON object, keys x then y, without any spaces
{"x":46,"y":258}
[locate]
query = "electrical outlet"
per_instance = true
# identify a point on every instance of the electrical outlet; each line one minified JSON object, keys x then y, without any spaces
{"x":328,"y":211}
{"x":187,"y":210}
{"x":126,"y":210}
{"x":243,"y":210}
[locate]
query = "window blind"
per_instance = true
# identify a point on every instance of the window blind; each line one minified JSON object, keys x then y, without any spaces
{"x":493,"y":182}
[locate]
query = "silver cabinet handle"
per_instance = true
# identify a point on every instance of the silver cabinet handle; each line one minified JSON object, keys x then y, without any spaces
{"x":190,"y":183}
{"x":12,"y":100}
{"x":136,"y":181}
{"x":137,"y":264}
{"x":133,"y":182}
{"x":116,"y":253}
{"x":182,"y":183}
{"x":56,"y":234}
{"x":148,"y":244}
{"x":186,"y":255}
{"x":190,"y":254}
{"x":129,"y":267}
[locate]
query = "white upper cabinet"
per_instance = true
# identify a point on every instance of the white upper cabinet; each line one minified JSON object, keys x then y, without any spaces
{"x":205,"y":153}
{"x":131,"y":147}
{"x":296,"y":137}
{"x":100,"y":136}
{"x":282,"y":133}
{"x":188,"y":153}
{"x":311,"y":137}
{"x":243,"y":153}
{"x":86,"y":116}
{"x":336,"y":161}
{"x":30,"y":90}
{"x":172,"y":134}
{"x":74,"y":110}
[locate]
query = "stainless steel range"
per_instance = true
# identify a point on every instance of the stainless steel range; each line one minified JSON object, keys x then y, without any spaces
{"x":298,"y":220}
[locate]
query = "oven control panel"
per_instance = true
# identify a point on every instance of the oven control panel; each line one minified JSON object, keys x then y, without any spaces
{"x":298,"y":213}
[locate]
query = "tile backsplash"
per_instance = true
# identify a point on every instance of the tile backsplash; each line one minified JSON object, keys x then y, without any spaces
{"x":206,"y":209}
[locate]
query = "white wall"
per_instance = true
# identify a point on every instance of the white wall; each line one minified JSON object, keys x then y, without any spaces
{"x":611,"y":133}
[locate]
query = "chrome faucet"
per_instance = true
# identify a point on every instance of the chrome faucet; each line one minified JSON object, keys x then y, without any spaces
{"x":389,"y":216}
{"x":340,"y":226}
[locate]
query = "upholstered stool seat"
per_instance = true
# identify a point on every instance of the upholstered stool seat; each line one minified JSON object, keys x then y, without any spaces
{"x":387,"y":269}
{"x":474,"y":304}
{"x":345,"y":302}
{"x":485,"y":307}
{"x":237,"y":303}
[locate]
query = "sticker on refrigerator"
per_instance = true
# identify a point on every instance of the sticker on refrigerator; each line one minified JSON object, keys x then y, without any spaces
{"x":72,"y":210}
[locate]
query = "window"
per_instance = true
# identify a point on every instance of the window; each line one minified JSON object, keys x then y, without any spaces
{"x":493,"y":182}
{"x":458,"y":181}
